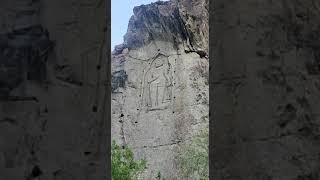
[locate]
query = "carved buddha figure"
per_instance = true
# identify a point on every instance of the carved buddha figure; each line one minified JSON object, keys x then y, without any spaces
{"x":157,"y":82}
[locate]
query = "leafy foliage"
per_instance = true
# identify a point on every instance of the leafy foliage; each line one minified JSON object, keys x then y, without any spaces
{"x":194,"y":160}
{"x":124,"y":167}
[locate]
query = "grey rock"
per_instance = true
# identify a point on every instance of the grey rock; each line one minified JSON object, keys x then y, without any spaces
{"x":158,"y":73}
{"x":265,"y":93}
{"x":53,"y":98}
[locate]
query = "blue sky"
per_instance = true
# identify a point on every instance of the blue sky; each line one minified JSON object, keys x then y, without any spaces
{"x":121,"y":11}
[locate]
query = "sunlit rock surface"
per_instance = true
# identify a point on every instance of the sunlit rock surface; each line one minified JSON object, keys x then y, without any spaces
{"x":160,"y":82}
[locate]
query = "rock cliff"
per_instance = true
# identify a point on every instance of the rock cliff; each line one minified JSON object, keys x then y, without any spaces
{"x":265,"y":90}
{"x":52,"y":90}
{"x":160,"y":82}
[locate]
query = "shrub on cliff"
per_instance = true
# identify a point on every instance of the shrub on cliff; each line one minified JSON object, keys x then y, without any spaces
{"x":124,"y":167}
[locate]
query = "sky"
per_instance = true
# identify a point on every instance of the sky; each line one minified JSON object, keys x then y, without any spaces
{"x":121,"y":11}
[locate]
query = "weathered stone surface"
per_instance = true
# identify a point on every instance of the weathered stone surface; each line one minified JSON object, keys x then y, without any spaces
{"x":160,"y":78}
{"x":179,"y":22}
{"x":52,"y":93}
{"x":24,"y":54}
{"x":265,"y":90}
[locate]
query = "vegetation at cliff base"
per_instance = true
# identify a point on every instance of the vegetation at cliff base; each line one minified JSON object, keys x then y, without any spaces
{"x":124,"y":166}
{"x":194,"y":160}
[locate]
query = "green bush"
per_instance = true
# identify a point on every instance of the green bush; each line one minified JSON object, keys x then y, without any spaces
{"x":194,"y":160}
{"x":124,"y":167}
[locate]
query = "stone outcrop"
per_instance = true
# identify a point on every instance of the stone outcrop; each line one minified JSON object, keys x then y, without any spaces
{"x":179,"y":22}
{"x":160,"y":82}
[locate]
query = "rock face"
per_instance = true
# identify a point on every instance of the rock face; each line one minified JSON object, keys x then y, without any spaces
{"x":160,"y":82}
{"x":52,"y":93}
{"x":266,"y":90}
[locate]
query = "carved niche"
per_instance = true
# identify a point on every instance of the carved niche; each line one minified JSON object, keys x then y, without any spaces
{"x":157,"y":83}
